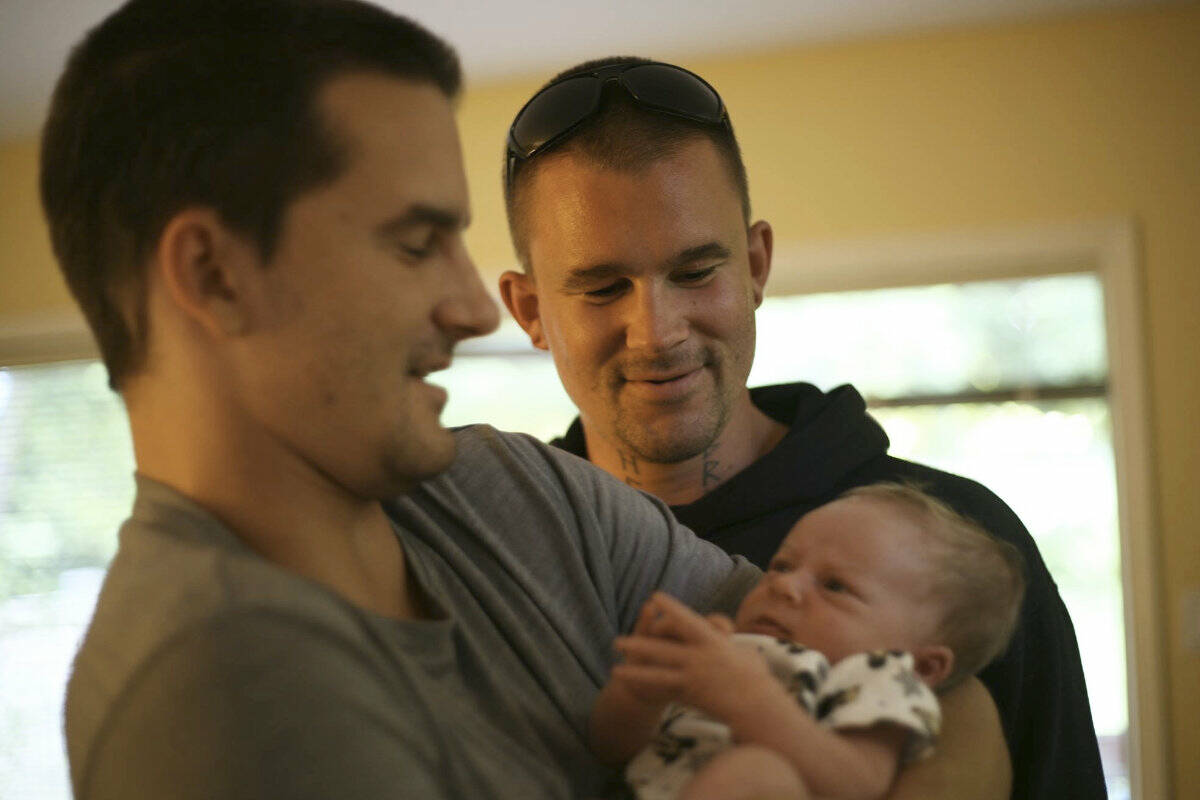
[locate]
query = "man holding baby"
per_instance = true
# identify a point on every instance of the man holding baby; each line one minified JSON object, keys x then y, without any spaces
{"x":321,"y":592}
{"x":630,"y":212}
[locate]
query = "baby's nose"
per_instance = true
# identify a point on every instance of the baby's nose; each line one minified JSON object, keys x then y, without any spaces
{"x":787,"y":586}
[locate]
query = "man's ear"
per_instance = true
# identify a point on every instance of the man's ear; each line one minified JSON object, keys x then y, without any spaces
{"x":204,"y":267}
{"x":761,"y":242}
{"x":519,"y":292}
{"x":933,"y":664}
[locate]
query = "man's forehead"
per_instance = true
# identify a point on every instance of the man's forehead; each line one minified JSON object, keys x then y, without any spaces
{"x":575,"y":172}
{"x":390,"y":128}
{"x":345,"y":91}
{"x":579,"y":213}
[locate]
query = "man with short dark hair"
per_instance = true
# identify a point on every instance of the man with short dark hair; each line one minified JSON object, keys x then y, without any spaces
{"x":320,"y":592}
{"x":629,"y":210}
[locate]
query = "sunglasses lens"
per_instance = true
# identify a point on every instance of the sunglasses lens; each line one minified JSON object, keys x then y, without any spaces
{"x":554,"y":111}
{"x":670,"y":89}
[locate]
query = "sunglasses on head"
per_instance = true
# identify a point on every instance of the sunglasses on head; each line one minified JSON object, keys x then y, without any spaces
{"x":551,"y":114}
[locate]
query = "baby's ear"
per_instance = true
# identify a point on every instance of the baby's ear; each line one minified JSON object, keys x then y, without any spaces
{"x":933,"y":663}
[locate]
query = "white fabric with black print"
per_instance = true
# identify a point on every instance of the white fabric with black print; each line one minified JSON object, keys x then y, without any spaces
{"x":859,"y":691}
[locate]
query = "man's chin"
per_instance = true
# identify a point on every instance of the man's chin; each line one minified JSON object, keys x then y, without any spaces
{"x":669,"y":436}
{"x":672,"y":444}
{"x":418,"y":460}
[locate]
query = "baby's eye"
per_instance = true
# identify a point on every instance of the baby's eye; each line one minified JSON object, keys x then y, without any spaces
{"x":778,"y":565}
{"x":834,"y":585}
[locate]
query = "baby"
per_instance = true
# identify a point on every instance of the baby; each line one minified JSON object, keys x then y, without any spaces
{"x":871,"y":604}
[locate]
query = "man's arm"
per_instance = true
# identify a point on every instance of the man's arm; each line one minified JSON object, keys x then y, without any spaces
{"x":970,"y":761}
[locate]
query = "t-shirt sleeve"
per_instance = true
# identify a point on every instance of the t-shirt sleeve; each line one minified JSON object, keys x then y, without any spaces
{"x":650,"y":550}
{"x":263,"y":705}
{"x":868,"y":689}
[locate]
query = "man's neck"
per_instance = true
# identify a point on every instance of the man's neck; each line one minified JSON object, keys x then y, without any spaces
{"x":279,"y":505}
{"x":748,"y":436}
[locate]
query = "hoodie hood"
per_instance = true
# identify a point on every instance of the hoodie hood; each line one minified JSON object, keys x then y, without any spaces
{"x":829,"y":436}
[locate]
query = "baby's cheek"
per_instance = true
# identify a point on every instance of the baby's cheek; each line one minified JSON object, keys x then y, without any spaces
{"x":746,"y":610}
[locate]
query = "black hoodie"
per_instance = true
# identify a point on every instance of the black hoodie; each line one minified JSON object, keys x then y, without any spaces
{"x":833,"y":445}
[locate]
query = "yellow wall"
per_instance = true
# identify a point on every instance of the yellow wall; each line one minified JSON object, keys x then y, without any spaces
{"x":29,"y":279}
{"x":1081,"y":118}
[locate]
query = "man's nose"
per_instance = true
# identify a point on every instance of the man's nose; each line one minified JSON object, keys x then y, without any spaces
{"x":468,"y":310}
{"x":656,"y":320}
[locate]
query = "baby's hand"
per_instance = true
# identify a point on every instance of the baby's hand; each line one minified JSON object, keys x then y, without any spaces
{"x":657,"y":617}
{"x":650,"y":624}
{"x":675,"y":654}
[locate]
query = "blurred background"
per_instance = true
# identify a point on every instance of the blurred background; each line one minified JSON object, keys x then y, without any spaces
{"x":987,"y":216}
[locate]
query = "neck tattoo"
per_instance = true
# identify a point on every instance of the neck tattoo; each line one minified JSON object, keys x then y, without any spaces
{"x":709,"y":477}
{"x":629,"y":468}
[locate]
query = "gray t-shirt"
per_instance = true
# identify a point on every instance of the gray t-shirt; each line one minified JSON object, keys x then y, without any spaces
{"x":209,"y":672}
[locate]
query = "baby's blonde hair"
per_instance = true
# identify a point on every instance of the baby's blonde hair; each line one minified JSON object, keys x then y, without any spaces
{"x":978,"y":579}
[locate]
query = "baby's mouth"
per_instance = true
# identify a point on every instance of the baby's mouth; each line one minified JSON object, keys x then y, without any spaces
{"x":769,"y":627}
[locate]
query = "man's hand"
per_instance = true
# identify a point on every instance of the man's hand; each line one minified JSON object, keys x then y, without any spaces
{"x":674,"y":654}
{"x":971,"y":759}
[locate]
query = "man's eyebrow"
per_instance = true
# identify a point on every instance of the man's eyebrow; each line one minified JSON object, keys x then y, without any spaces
{"x":583,"y":278}
{"x":418,"y":215}
{"x":709,"y":251}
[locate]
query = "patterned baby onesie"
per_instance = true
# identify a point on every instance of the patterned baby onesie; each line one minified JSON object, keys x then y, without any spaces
{"x":857,"y":692}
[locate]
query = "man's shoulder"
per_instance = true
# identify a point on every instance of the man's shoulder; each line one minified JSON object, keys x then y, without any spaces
{"x":968,"y":497}
{"x":168,"y":584}
{"x":481,"y":445}
{"x":509,"y":496}
{"x":965,"y":495}
{"x":491,"y":462}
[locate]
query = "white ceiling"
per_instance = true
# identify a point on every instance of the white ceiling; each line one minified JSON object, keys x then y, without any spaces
{"x":497,"y":39}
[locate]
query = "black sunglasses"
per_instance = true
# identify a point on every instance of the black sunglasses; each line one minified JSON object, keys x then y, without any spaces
{"x":551,"y":114}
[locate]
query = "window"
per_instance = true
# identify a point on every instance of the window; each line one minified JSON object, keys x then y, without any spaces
{"x":66,"y":483}
{"x":1003,"y":381}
